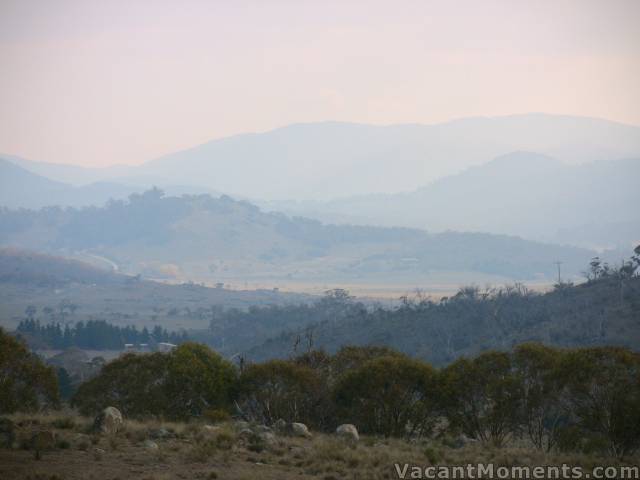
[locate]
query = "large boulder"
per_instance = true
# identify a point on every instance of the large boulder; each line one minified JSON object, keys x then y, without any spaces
{"x":109,"y":421}
{"x":348,"y":431}
{"x":7,"y":433}
{"x":299,"y":430}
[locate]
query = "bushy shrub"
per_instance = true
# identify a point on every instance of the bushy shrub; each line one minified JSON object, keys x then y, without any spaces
{"x":542,"y":414}
{"x":183,"y":383}
{"x":602,"y":392}
{"x":390,"y":395}
{"x":482,"y":396}
{"x":280,"y":389}
{"x":26,"y":383}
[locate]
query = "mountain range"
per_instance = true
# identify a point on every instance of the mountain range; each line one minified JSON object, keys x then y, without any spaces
{"x":535,"y":196}
{"x":321,"y":161}
{"x":21,"y":188}
{"x":571,"y":181}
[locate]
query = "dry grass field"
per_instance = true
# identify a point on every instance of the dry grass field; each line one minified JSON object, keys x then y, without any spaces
{"x":155,"y":450}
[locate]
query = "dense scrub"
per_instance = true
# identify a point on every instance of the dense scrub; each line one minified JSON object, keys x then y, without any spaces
{"x":187,"y":382}
{"x":602,"y":311}
{"x":26,"y":383}
{"x":585,"y":400}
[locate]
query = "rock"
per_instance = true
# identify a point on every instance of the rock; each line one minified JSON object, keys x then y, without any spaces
{"x":7,"y":433}
{"x":211,"y":429}
{"x":150,"y":445}
{"x":280,"y":425}
{"x":300,"y":430}
{"x":43,"y":440}
{"x":268,"y":438}
{"x":109,"y":421}
{"x":162,"y":433}
{"x":348,"y":431}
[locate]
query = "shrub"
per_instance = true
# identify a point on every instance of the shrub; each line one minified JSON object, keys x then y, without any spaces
{"x":279,"y":389}
{"x":198,"y":379}
{"x":185,"y":382}
{"x":482,"y":396}
{"x":132,"y":383}
{"x":26,"y":383}
{"x":603,"y":393}
{"x":541,"y":414}
{"x":393,"y":396}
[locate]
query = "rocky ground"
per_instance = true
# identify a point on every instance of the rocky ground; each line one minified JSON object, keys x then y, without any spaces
{"x":73,"y":447}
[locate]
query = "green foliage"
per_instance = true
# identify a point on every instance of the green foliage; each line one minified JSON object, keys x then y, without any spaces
{"x":602,"y":390}
{"x":26,"y":383}
{"x":198,"y":379}
{"x":601,"y":312}
{"x":352,"y":357}
{"x":280,"y":389}
{"x":389,"y":395}
{"x":132,"y":383}
{"x":541,"y":414}
{"x":482,"y":396}
{"x":179,"y":384}
{"x":65,"y":383}
{"x":92,"y":335}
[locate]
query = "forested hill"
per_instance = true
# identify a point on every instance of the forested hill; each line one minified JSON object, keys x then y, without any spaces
{"x":602,"y":311}
{"x":201,"y":237}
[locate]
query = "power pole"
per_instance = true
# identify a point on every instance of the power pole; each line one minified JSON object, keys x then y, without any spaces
{"x":558,"y":263}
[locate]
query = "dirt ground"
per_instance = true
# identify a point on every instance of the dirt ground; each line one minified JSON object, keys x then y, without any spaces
{"x":156,"y":450}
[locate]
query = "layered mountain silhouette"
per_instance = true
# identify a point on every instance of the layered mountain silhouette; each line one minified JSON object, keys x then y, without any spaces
{"x":332,"y":159}
{"x":525,"y":194}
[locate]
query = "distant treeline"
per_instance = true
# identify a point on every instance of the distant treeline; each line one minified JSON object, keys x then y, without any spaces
{"x":93,"y":335}
{"x":604,"y":310}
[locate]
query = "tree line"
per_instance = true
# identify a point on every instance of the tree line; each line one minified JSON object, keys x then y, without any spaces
{"x":601,"y":311}
{"x":585,"y":399}
{"x":92,"y":335}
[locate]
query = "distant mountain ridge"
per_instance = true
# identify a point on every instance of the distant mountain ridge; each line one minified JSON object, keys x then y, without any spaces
{"x":522,"y":193}
{"x":325,"y":160}
{"x":21,"y":188}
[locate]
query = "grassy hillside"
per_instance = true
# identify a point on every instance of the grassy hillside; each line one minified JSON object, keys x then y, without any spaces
{"x":63,"y":290}
{"x":220,"y":239}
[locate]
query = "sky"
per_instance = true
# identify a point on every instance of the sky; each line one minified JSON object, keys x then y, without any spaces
{"x":98,"y":83}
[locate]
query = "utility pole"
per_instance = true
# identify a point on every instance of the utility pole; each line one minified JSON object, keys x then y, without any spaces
{"x":558,"y":263}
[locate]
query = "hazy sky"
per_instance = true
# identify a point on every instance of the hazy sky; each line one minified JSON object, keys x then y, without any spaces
{"x":104,"y":82}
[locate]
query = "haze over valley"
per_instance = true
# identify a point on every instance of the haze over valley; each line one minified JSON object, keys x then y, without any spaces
{"x":319,"y":240}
